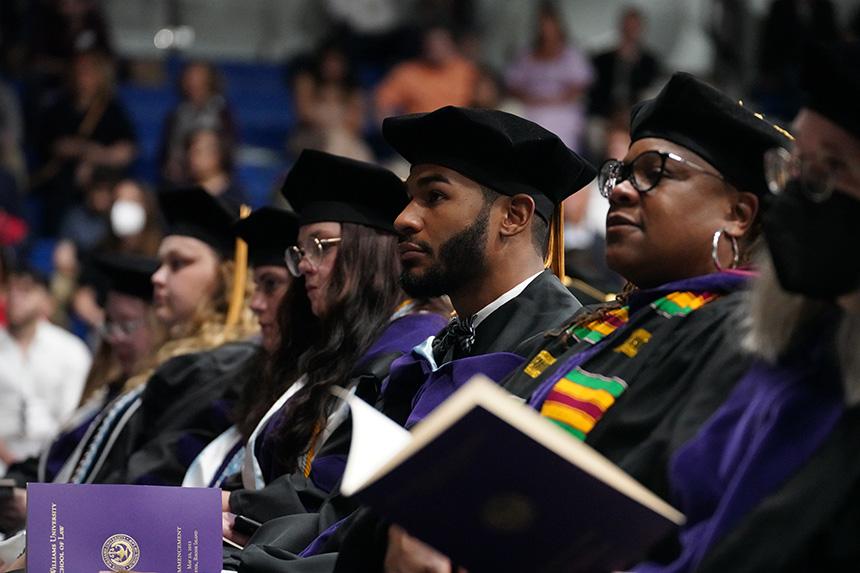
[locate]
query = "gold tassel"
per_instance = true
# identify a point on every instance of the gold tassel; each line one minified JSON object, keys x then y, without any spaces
{"x":555,"y":250}
{"x":240,"y":275}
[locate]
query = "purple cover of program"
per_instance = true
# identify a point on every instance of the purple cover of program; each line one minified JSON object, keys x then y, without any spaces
{"x":145,"y":529}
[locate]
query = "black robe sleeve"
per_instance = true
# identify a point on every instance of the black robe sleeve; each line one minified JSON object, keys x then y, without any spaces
{"x":294,"y":493}
{"x":186,"y":404}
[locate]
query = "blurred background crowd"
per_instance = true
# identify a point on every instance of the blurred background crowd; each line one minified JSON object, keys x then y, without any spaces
{"x":104,"y":102}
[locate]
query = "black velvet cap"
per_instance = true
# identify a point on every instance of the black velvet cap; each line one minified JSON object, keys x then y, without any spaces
{"x":732,"y":138}
{"x":127,"y":274}
{"x":268,"y":232}
{"x":193,"y":212}
{"x":499,"y":150}
{"x":831,"y":80}
{"x":325,"y":187}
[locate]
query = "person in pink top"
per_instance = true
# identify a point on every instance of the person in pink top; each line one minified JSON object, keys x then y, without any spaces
{"x":551,"y":80}
{"x":440,"y":77}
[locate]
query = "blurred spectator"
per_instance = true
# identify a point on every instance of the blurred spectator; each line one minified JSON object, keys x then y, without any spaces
{"x":86,"y":225}
{"x":203,"y":106}
{"x":59,"y":30}
{"x":66,"y":28}
{"x":209,"y":164}
{"x":372,"y":30}
{"x":551,"y":79}
{"x":330,"y":107}
{"x":459,"y":15}
{"x":490,"y":93}
{"x":86,"y":129}
{"x":789,"y":27}
{"x":731,"y":29}
{"x":624,"y":72}
{"x":135,"y":227}
{"x":585,"y":221}
{"x":441,"y":76}
{"x":132,"y":227}
{"x":44,"y":368}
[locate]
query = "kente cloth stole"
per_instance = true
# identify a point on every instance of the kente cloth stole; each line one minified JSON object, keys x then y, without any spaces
{"x":579,"y":398}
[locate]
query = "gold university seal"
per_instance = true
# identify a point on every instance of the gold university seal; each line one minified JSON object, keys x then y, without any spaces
{"x":120,"y":552}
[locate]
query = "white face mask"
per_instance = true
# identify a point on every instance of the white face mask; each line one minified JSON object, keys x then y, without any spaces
{"x":127,"y":218}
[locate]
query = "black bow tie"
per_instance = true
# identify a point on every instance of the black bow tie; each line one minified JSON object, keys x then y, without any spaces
{"x":458,"y":335}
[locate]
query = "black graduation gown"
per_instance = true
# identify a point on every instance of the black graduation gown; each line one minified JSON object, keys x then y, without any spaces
{"x":186,"y":404}
{"x":516,"y":327}
{"x":675,"y":382}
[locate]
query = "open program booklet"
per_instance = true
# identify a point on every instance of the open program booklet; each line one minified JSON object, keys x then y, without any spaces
{"x":492,"y":484}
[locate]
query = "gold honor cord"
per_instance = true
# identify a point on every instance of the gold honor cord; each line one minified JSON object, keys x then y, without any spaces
{"x":240,"y":275}
{"x":555,"y":249}
{"x":555,"y":258}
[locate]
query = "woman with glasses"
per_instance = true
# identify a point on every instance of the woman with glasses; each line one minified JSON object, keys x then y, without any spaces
{"x":636,"y":377}
{"x":267,"y":232}
{"x":346,"y":265}
{"x":772,"y":481}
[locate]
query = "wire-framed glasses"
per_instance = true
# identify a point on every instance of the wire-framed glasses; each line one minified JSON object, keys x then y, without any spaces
{"x":312,"y":253}
{"x":817,"y":176}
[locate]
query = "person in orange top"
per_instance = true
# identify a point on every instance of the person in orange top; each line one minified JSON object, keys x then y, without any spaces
{"x":440,"y":77}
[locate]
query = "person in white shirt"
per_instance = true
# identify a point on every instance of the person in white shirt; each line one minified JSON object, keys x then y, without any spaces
{"x":43,"y":369}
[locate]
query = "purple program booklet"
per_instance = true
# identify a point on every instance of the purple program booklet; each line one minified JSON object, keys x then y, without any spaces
{"x":144,"y":529}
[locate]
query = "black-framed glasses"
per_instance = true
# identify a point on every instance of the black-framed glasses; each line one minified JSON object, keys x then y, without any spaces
{"x":644,"y":172}
{"x":817,"y":176}
{"x":111,"y":330}
{"x":312,"y":253}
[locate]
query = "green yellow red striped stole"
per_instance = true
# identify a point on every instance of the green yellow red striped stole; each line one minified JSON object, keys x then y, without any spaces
{"x":579,"y":399}
{"x":596,"y":330}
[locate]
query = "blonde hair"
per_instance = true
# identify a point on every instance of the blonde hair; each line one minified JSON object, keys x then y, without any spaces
{"x":207,"y":327}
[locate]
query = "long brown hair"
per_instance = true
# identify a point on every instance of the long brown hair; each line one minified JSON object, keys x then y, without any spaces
{"x":363,"y":293}
{"x":299,"y":330}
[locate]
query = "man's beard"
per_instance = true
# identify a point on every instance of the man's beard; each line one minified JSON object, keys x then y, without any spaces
{"x":461,"y":260}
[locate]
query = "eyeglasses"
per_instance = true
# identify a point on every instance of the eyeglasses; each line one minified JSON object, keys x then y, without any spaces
{"x":312,"y":253}
{"x":817,"y":175}
{"x":644,"y":172}
{"x":111,"y":330}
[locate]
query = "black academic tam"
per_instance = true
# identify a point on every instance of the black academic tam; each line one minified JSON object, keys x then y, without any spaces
{"x":268,"y":232}
{"x":324,"y":187}
{"x":502,"y":151}
{"x":192,"y":212}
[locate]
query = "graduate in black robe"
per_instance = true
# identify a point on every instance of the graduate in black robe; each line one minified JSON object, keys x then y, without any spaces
{"x":476,"y":229}
{"x":350,"y":204}
{"x":267,"y":232}
{"x":150,"y":434}
{"x":637,"y":377}
{"x":772,"y":482}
